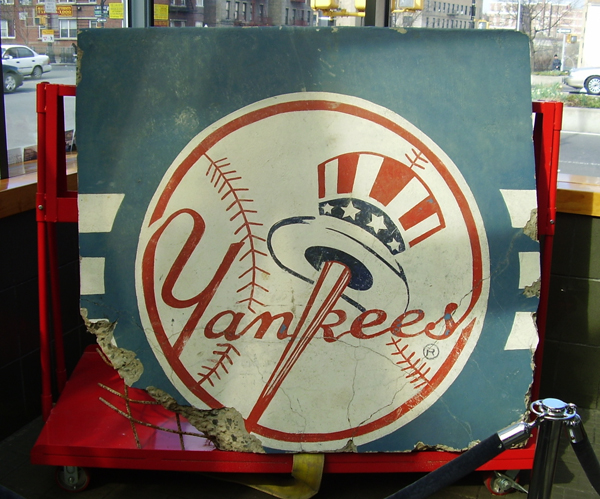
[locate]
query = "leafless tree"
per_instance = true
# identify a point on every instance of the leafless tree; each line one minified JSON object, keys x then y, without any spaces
{"x":539,"y":20}
{"x":19,"y":16}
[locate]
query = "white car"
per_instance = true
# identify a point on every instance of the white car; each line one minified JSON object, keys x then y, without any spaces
{"x":28,"y":61}
{"x":588,"y":78}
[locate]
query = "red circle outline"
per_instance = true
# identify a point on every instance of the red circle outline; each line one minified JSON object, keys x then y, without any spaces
{"x":258,"y":115}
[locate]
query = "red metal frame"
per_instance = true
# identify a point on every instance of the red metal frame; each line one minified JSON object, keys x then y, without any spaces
{"x":55,"y":203}
{"x":82,"y":431}
{"x":546,"y":140}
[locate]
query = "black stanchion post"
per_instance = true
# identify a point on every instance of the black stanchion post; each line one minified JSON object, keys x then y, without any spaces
{"x":584,"y":451}
{"x":544,"y":462}
{"x":553,"y":413}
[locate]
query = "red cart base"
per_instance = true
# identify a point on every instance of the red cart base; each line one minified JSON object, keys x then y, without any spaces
{"x":97,"y":423}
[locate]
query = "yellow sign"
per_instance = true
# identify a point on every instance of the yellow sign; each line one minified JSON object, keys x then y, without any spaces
{"x":161,"y":12}
{"x":64,"y":10}
{"x":116,"y":11}
{"x":48,"y":35}
{"x":39,"y":10}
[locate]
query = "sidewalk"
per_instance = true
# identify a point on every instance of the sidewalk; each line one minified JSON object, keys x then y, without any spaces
{"x":545,"y":80}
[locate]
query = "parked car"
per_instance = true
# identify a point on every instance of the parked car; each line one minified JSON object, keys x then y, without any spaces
{"x":588,"y":78}
{"x":29,"y":62}
{"x":12,"y":78}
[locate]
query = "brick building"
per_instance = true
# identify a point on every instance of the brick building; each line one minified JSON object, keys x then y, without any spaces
{"x":30,"y":22}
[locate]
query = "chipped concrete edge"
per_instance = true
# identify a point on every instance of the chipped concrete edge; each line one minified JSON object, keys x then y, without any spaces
{"x":531,"y":227}
{"x":124,"y":361}
{"x":531,"y":231}
{"x":224,"y":427}
{"x":534,"y":289}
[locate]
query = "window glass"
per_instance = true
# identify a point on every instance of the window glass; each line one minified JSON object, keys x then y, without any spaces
{"x":68,"y":28}
{"x":24,"y":52}
{"x":4,"y":28}
{"x":54,"y":35}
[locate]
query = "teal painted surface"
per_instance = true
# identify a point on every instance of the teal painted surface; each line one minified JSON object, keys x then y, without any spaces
{"x":145,"y":94}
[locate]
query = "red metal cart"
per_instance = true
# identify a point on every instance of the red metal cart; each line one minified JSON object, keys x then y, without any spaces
{"x":99,"y":422}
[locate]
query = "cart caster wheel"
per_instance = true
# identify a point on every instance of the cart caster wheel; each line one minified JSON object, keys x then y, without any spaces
{"x":72,"y":478}
{"x":500,"y":484}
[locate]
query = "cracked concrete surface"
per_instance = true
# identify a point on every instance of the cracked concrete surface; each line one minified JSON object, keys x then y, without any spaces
{"x":124,"y":361}
{"x":224,"y":427}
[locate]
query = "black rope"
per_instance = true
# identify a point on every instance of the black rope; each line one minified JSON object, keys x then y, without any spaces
{"x":588,"y":460}
{"x":452,"y":471}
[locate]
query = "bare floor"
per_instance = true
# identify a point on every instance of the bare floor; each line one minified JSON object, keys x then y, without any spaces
{"x":20,"y":479}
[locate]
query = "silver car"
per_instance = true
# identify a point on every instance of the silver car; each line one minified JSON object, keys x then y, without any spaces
{"x":588,"y":78}
{"x":29,"y":62}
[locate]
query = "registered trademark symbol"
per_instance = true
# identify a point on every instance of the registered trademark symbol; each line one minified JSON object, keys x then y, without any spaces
{"x":431,"y":351}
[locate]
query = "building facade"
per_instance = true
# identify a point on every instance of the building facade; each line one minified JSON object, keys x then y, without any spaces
{"x":461,"y":14}
{"x":53,"y":31}
{"x":28,"y":22}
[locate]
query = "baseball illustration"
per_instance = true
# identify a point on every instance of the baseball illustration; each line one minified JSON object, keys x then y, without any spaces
{"x":316,"y":262}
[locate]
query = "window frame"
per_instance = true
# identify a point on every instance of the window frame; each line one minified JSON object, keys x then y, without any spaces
{"x":71,"y":30}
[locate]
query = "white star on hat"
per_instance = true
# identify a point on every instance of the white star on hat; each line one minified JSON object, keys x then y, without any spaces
{"x":350,"y":210}
{"x":377,"y":223}
{"x":394,"y":245}
{"x":327,"y":209}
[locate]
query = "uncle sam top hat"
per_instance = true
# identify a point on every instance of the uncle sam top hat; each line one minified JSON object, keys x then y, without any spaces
{"x":372,"y":208}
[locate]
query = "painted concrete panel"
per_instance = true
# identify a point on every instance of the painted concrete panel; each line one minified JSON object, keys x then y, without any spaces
{"x":314,"y":229}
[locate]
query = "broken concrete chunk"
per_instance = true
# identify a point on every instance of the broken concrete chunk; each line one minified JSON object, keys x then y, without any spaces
{"x":224,"y":427}
{"x":349,"y":447}
{"x":531,"y":228}
{"x":124,"y":361}
{"x":533,"y":290}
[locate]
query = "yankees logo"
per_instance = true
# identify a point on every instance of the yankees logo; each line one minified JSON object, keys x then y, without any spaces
{"x":316,"y":262}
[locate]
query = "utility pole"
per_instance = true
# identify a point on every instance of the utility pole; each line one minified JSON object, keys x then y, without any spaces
{"x":140,"y":13}
{"x":377,"y":13}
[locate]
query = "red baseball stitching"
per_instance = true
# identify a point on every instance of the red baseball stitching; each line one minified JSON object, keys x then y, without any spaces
{"x":419,"y":156}
{"x":414,"y":367}
{"x":223,"y":182}
{"x":223,"y":355}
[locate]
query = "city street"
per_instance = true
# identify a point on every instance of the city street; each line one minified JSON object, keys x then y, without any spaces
{"x":21,"y":120}
{"x":579,"y":154}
